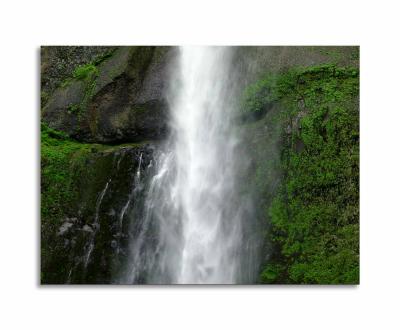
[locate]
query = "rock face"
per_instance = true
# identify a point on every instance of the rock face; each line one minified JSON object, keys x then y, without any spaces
{"x":118,"y":94}
{"x":251,"y":61}
{"x":58,"y":63}
{"x":107,"y":95}
{"x":118,"y":97}
{"x":90,"y":243}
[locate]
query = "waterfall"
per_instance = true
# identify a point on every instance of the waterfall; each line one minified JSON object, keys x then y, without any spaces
{"x":191,"y":232}
{"x":96,"y":225}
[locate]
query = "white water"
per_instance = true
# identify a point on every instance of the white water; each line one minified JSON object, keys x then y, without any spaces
{"x":203,"y":149}
{"x":192,"y":207}
{"x":96,"y":226}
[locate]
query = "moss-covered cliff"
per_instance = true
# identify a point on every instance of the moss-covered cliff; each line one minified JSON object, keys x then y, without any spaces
{"x":89,"y":189}
{"x":304,"y":128}
{"x":88,"y":203}
{"x":103,"y":108}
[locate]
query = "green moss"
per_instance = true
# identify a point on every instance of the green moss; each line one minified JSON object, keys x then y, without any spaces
{"x":44,"y":97}
{"x":271,"y":273}
{"x":101,"y":58}
{"x":61,"y":159}
{"x":258,"y":95}
{"x":334,"y":54}
{"x":89,"y":92}
{"x":84,"y":71}
{"x":314,"y":216}
{"x":63,"y":165}
{"x":301,"y":82}
{"x":72,"y":175}
{"x":88,"y":73}
{"x":66,"y":82}
{"x":58,"y":155}
{"x":73,"y":109}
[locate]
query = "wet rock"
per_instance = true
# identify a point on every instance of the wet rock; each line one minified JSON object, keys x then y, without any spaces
{"x":123,"y":99}
{"x":87,"y":228}
{"x":64,"y":228}
{"x":89,"y":221}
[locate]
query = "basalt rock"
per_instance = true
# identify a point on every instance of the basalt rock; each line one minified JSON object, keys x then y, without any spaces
{"x":91,"y":244}
{"x":121,"y":98}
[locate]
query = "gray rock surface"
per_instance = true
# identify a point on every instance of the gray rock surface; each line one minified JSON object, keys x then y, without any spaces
{"x":121,"y":100}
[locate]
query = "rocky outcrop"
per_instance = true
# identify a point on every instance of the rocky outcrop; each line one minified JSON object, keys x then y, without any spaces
{"x":119,"y":97}
{"x":59,"y":62}
{"x":254,"y":62}
{"x":89,"y":241}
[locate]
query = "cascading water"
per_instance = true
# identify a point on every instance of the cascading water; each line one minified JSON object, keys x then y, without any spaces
{"x":96,"y":225}
{"x":192,"y":231}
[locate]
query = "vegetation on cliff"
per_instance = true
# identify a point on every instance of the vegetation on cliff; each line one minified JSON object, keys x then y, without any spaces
{"x":62,"y":161}
{"x":74,"y":172}
{"x":73,"y":175}
{"x":314,"y":218}
{"x":100,"y":100}
{"x":60,"y":158}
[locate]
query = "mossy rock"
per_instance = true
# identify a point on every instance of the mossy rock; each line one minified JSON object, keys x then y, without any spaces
{"x":84,"y":190}
{"x":91,"y":104}
{"x":312,"y":219}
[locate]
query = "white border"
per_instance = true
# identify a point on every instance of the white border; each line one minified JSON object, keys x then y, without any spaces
{"x":25,"y":25}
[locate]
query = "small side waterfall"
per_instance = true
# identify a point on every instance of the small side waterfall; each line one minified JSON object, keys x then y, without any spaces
{"x":96,"y":225}
{"x":191,"y":231}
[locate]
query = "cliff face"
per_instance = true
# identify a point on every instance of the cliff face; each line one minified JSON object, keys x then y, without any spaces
{"x":92,"y":193}
{"x":302,"y":127}
{"x":91,"y":198}
{"x":298,"y":120}
{"x":116,"y":95}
